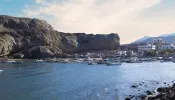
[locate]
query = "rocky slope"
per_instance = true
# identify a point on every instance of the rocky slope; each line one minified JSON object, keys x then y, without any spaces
{"x":34,"y":38}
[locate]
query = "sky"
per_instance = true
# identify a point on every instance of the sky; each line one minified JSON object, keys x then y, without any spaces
{"x":131,"y":19}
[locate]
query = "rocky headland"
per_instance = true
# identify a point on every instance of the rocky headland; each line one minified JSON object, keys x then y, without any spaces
{"x":36,"y":39}
{"x":164,"y":93}
{"x":167,"y":92}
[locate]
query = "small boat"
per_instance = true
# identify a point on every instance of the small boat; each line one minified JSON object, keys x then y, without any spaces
{"x":113,"y":63}
{"x":165,"y":61}
{"x":91,"y":63}
{"x":17,"y":62}
{"x":133,"y":61}
{"x":65,"y":61}
{"x":8,"y":61}
{"x":101,"y":62}
{"x":38,"y":61}
{"x":78,"y":60}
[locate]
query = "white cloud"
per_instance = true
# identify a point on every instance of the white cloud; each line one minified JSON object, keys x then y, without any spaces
{"x":102,"y":16}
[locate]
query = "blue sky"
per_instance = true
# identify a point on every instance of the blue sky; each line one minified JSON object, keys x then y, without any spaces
{"x":13,"y":7}
{"x":131,"y":19}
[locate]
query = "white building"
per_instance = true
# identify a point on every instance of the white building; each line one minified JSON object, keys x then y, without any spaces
{"x":122,"y":53}
{"x":157,"y":41}
{"x":147,"y":47}
{"x":167,"y":46}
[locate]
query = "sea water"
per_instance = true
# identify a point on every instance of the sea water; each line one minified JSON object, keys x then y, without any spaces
{"x":80,"y":81}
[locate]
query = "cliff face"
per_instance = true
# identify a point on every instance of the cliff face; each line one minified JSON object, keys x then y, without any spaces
{"x":30,"y":36}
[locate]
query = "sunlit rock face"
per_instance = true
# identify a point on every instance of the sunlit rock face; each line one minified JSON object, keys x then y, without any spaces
{"x":24,"y":34}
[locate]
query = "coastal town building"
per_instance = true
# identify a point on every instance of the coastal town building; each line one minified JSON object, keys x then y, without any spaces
{"x":167,"y":46}
{"x":158,"y":41}
{"x":122,"y":52}
{"x":147,"y":47}
{"x":157,"y":44}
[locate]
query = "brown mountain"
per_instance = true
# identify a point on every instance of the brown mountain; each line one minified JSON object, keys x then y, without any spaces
{"x":34,"y":38}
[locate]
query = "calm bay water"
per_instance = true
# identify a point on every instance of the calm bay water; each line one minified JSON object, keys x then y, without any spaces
{"x":79,"y":81}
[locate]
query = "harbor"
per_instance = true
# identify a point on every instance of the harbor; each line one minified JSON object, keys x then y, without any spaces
{"x":78,"y":80}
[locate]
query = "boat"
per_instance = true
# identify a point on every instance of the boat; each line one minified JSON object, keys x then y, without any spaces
{"x":65,"y":61}
{"x":91,"y":63}
{"x":39,"y":61}
{"x":8,"y":61}
{"x":133,"y":61}
{"x":113,"y":63}
{"x":88,"y":59}
{"x":17,"y":62}
{"x":166,"y":61}
{"x":101,"y":62}
{"x":78,"y":60}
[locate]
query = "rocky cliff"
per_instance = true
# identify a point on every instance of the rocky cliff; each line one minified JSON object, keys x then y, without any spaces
{"x":34,"y":38}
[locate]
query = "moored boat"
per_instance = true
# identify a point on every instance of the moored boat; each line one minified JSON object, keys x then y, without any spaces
{"x":17,"y":62}
{"x":38,"y":61}
{"x":101,"y":62}
{"x":91,"y":63}
{"x":78,"y":60}
{"x":166,"y":60}
{"x":133,"y":61}
{"x":113,"y":63}
{"x":8,"y":61}
{"x":65,"y":61}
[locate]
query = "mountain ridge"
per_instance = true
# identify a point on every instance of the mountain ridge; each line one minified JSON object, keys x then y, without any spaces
{"x":170,"y":38}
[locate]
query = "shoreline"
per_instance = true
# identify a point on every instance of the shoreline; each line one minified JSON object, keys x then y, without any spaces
{"x":90,"y":61}
{"x":165,"y":92}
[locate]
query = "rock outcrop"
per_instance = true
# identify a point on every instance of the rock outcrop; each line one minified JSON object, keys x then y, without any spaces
{"x":34,"y":38}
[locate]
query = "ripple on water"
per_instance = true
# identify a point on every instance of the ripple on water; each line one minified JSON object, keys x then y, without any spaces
{"x":81,"y":81}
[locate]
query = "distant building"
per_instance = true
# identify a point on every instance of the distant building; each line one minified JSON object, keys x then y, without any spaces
{"x":147,"y":47}
{"x":122,"y":52}
{"x":167,"y":46}
{"x":157,"y":41}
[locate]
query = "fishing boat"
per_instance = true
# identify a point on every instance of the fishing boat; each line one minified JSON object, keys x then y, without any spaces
{"x":8,"y":61}
{"x":101,"y":62}
{"x":91,"y":63}
{"x":17,"y":62}
{"x":133,"y":61}
{"x":65,"y":61}
{"x":166,"y":60}
{"x":113,"y":63}
{"x":38,"y":61}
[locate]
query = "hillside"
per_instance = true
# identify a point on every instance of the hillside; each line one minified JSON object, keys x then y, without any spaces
{"x":34,"y":38}
{"x":170,"y":38}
